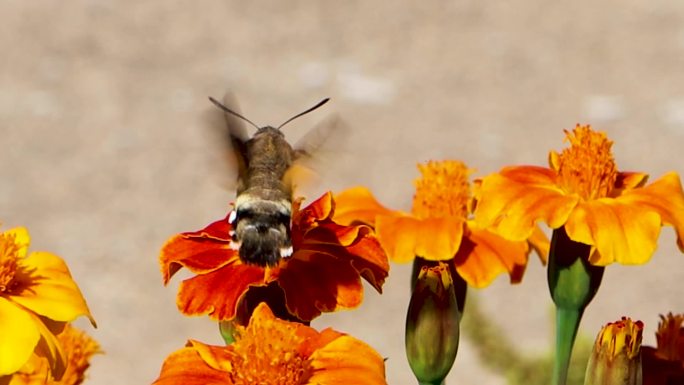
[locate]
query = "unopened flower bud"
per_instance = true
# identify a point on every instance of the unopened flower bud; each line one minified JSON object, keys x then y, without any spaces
{"x":616,"y":358}
{"x":432,"y":324}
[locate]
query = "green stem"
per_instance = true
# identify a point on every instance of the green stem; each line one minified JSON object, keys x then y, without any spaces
{"x":573,"y":283}
{"x":567,"y":323}
{"x":431,"y":383}
{"x":227,"y":328}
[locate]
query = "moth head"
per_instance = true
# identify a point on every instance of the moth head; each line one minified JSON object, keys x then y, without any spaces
{"x":262,"y":231}
{"x":263,"y":245}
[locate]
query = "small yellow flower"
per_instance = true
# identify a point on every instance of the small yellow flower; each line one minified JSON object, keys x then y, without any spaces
{"x":37,"y":298}
{"x":78,"y":348}
{"x":439,"y":227}
{"x":614,"y":212}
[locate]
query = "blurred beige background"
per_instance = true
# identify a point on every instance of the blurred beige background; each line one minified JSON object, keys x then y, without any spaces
{"x":105,"y":153}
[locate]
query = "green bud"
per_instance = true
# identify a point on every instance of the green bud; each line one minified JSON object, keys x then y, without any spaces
{"x":573,"y":283}
{"x":432,"y":324}
{"x":616,"y":358}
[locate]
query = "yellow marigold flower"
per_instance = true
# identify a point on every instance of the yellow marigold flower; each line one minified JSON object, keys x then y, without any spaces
{"x":271,"y":351}
{"x":37,"y":298}
{"x":614,"y":212}
{"x":78,"y":348}
{"x":439,"y":228}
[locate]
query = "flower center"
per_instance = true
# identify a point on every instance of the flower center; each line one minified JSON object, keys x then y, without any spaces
{"x":587,"y":168}
{"x":9,"y":260}
{"x":265,"y":354}
{"x":442,"y":191}
{"x":621,"y":336}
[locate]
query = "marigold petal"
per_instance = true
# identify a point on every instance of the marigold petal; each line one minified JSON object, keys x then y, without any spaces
{"x":621,"y":232}
{"x":186,"y":367}
{"x":369,"y":259}
{"x":50,"y":290}
{"x":318,"y":340}
{"x":218,"y":293}
{"x":628,"y":180}
{"x":309,"y":337}
{"x":355,"y":243}
{"x":49,"y":345}
{"x":19,"y":336}
{"x":330,"y":233}
{"x":665,"y":197}
{"x":515,"y":199}
{"x":199,"y":251}
{"x":358,"y":204}
{"x":484,"y":255}
{"x":346,"y":360}
{"x":319,"y":210}
{"x":319,"y":284}
{"x":540,"y":243}
{"x":35,"y":371}
{"x":216,"y":357}
{"x":218,"y":230}
{"x":404,"y":237}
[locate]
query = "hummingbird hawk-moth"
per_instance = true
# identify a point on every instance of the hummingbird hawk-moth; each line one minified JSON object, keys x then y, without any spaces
{"x":262,"y":214}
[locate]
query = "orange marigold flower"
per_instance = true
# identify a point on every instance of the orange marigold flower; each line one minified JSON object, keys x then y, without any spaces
{"x":37,"y":298}
{"x":323,"y":274}
{"x":614,"y":212}
{"x":78,"y":348}
{"x":271,"y":351}
{"x":438,"y":227}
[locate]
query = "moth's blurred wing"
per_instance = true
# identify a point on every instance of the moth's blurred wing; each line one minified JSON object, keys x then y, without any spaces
{"x":320,"y":136}
{"x":236,"y":133}
{"x":315,"y":150}
{"x":230,"y":133}
{"x":299,"y":177}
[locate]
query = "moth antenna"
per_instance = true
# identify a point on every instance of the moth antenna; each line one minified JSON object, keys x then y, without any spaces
{"x":322,"y":102}
{"x":228,"y":110}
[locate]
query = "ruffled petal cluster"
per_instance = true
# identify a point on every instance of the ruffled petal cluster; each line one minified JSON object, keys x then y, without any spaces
{"x":323,"y":274}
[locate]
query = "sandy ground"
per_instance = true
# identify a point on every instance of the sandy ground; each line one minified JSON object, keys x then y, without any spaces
{"x":105,"y":153}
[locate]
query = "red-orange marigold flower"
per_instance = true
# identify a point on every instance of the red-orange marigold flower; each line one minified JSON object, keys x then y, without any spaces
{"x":323,"y":274}
{"x":271,"y":351}
{"x":612,"y":211}
{"x":439,"y":228}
